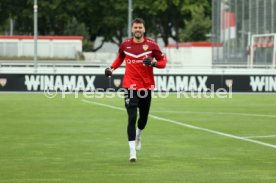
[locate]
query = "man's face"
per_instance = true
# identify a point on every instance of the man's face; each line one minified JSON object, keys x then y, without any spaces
{"x":138,"y":30}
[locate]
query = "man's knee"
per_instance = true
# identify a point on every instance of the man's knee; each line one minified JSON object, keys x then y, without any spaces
{"x":132,"y":119}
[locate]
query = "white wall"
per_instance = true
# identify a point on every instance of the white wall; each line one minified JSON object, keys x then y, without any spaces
{"x":187,"y":54}
{"x":62,"y":47}
{"x":191,"y":54}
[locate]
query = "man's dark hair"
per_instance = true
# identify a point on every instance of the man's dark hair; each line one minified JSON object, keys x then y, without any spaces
{"x":138,"y":21}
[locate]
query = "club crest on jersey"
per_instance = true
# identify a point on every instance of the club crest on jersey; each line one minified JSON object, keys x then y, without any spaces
{"x":145,"y":47}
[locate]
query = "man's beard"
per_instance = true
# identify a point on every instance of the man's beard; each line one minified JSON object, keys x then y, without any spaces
{"x":139,"y":36}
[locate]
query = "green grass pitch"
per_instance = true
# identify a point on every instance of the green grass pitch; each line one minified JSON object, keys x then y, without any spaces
{"x":71,"y":141}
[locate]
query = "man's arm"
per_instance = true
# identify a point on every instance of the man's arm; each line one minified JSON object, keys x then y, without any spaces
{"x":116,"y":63}
{"x":161,"y":63}
{"x":161,"y":59}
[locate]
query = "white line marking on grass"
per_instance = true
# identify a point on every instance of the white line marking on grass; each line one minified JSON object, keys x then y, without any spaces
{"x":220,"y":113}
{"x":187,"y":125}
{"x":104,"y":105}
{"x":260,"y":136}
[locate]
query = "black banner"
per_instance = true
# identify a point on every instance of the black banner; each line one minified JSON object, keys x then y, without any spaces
{"x":78,"y":82}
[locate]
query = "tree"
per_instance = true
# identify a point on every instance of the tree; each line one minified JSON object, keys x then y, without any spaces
{"x":114,"y":21}
{"x":108,"y":18}
{"x":4,"y":15}
{"x":20,"y":12}
{"x":196,"y":28}
{"x":169,"y":17}
{"x":73,"y":27}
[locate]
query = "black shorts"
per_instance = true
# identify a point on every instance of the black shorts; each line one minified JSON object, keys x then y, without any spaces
{"x":137,"y":98}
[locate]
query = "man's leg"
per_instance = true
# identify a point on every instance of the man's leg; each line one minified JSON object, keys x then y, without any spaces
{"x":131,"y":103}
{"x":144,"y":107}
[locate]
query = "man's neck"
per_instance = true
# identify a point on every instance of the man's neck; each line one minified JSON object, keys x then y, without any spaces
{"x":135,"y":40}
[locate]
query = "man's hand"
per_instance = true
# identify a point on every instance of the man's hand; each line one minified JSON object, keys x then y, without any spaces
{"x":149,"y":62}
{"x":108,"y":71}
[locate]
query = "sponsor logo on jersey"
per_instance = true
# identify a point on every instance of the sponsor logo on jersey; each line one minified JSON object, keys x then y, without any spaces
{"x":145,"y":47}
{"x":129,"y":61}
{"x":3,"y":82}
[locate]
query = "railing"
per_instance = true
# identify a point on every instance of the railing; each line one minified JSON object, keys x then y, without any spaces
{"x":75,"y":64}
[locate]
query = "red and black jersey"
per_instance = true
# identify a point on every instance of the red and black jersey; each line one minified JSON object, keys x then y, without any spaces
{"x":137,"y":75}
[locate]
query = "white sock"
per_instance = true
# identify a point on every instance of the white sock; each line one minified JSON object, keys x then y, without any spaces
{"x":132,"y":147}
{"x":138,"y":132}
